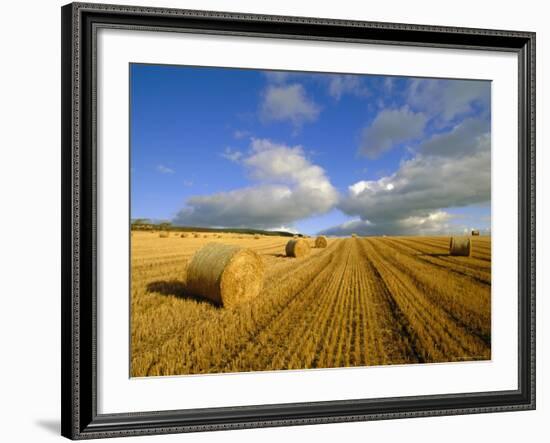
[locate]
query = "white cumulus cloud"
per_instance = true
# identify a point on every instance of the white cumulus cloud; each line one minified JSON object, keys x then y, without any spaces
{"x":288,"y":187}
{"x":338,"y":85}
{"x":232,"y":154}
{"x":240,"y":134}
{"x":278,"y":76}
{"x":164,"y":169}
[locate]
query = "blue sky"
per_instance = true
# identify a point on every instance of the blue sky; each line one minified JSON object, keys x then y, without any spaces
{"x":309,"y":152}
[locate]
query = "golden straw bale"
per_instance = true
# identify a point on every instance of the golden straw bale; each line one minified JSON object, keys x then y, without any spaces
{"x":475,"y":232}
{"x":163,"y":234}
{"x":321,"y":242}
{"x":225,"y":274}
{"x":297,"y":247}
{"x":460,"y":246}
{"x":183,"y":235}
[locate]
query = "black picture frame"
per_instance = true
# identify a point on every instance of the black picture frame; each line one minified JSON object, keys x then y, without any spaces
{"x":79,"y":178}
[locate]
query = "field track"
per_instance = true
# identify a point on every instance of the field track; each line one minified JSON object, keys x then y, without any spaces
{"x":358,"y":302}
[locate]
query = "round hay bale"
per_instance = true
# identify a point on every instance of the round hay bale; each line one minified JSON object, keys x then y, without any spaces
{"x":256,"y":237}
{"x":321,"y":242}
{"x":475,"y":232}
{"x":183,"y":235}
{"x":354,"y":235}
{"x":297,"y":247}
{"x":225,"y":274}
{"x":163,"y":234}
{"x":460,"y":246}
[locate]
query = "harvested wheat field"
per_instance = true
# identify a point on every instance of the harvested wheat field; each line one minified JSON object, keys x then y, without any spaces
{"x":360,"y":301}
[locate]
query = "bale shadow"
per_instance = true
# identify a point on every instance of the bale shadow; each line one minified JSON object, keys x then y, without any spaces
{"x":440,"y":254}
{"x":177,"y":289}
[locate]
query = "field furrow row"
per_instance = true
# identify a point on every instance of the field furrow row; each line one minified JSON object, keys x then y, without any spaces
{"x":455,"y":265}
{"x":473,"y":263}
{"x":440,"y":335}
{"x":464,"y":300}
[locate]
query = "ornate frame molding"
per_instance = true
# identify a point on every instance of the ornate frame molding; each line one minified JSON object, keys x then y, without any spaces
{"x":79,"y":391}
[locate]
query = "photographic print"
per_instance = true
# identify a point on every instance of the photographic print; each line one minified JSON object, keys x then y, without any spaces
{"x":301,"y":220}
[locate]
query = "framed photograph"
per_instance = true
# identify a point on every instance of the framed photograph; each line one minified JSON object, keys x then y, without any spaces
{"x":273,"y":221}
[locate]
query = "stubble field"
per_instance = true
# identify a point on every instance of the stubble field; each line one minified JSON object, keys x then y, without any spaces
{"x":358,"y":302}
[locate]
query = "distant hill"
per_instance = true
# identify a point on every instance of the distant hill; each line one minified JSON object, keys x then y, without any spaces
{"x":140,"y":226}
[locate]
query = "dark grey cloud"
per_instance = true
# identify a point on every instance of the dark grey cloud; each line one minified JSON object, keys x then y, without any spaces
{"x":467,"y":138}
{"x":433,"y":224}
{"x":422,"y":185}
{"x":390,"y":128}
{"x":451,"y":169}
{"x":447,"y":99}
{"x":436,"y":223}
